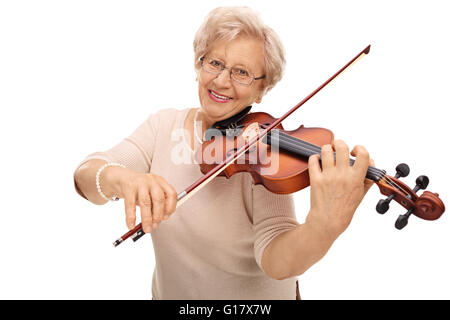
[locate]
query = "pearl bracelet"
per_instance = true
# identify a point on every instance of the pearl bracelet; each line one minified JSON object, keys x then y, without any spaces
{"x":97,"y":180}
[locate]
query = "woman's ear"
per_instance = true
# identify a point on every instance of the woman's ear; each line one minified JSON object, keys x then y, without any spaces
{"x":260,"y":96}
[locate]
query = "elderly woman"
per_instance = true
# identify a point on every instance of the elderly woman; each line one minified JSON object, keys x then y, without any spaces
{"x":233,"y":239}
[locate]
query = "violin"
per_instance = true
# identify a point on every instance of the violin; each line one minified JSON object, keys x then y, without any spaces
{"x":278,"y":159}
{"x":290,"y":151}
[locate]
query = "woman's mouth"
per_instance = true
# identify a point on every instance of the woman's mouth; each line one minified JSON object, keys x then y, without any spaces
{"x":218,"y":97}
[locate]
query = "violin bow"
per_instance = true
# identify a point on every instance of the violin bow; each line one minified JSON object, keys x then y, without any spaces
{"x":136,"y":233}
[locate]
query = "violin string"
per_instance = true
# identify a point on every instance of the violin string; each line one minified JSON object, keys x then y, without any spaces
{"x":309,"y":149}
{"x":395,"y":185}
{"x":379,"y":174}
{"x":314,"y":149}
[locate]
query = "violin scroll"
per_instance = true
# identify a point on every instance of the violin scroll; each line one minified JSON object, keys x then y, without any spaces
{"x":427,"y":206}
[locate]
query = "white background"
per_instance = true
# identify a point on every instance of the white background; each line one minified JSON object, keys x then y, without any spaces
{"x":79,"y":76}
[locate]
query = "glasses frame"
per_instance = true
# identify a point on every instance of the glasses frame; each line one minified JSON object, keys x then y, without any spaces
{"x":231,"y":74}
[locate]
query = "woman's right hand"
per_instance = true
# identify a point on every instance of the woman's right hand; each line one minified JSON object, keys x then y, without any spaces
{"x":156,"y":198}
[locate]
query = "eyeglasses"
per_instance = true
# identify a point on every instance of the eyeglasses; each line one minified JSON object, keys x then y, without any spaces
{"x":238,"y":74}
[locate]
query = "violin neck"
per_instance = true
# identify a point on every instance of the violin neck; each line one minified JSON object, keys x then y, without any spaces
{"x":306,"y":149}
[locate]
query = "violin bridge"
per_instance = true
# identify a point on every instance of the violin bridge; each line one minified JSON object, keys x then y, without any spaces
{"x":251,"y":132}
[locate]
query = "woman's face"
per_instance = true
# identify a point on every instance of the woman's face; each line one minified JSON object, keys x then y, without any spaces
{"x":245,"y":52}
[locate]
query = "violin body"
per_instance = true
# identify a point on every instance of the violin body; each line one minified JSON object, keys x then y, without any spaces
{"x":278,"y":170}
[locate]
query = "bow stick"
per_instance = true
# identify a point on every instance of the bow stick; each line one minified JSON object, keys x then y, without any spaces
{"x":137,"y":231}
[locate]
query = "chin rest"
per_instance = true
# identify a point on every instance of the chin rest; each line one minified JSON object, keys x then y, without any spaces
{"x":228,"y":126}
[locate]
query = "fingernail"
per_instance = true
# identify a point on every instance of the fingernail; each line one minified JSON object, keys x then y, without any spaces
{"x":155,"y":225}
{"x":166,"y":217}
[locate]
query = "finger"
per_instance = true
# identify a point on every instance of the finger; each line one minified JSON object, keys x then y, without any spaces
{"x":362,"y":159}
{"x":145,"y":205}
{"x":367,"y":182}
{"x":158,"y":200}
{"x":342,"y":154}
{"x":130,"y":208}
{"x":314,"y":168}
{"x":170,"y":198}
{"x":327,"y":157}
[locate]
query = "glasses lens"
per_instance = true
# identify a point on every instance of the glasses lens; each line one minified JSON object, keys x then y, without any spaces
{"x":241,"y":75}
{"x":212,"y":65}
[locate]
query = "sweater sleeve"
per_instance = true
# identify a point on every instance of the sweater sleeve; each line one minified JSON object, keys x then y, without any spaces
{"x":135,"y":151}
{"x":272,"y":214}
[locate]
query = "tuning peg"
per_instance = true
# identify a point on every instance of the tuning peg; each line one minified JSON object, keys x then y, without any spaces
{"x":383,"y":204}
{"x":402,"y":170}
{"x":421,"y":183}
{"x":402,"y":220}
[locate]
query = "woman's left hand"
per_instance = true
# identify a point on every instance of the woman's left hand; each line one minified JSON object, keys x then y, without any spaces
{"x":337,"y":187}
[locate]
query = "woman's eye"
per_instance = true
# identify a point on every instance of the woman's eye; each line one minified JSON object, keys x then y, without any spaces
{"x":242,"y":72}
{"x":216,"y":63}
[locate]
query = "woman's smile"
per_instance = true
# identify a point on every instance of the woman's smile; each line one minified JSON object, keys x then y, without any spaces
{"x":217,"y":97}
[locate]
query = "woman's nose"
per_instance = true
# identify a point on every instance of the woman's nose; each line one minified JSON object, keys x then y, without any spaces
{"x":223,"y":79}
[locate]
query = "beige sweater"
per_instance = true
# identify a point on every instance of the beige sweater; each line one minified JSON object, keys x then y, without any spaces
{"x":211,"y":247}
